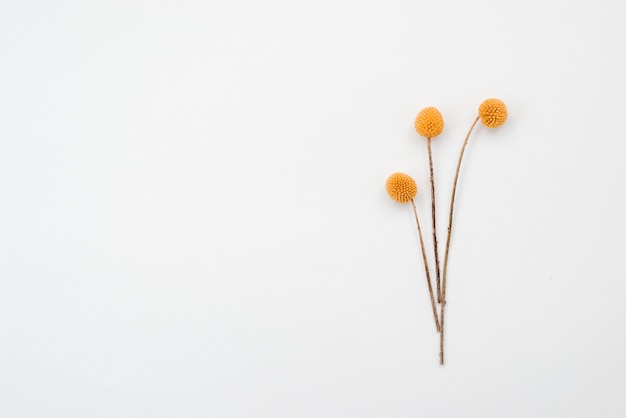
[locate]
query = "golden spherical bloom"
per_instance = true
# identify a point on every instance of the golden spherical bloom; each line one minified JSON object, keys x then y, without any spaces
{"x":429,"y":122}
{"x":492,"y":113}
{"x":401,"y":187}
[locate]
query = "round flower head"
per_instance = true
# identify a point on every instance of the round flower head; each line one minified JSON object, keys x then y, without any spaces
{"x":401,"y":187}
{"x":492,"y":113}
{"x":429,"y":122}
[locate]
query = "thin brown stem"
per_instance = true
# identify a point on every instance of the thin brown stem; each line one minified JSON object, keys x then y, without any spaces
{"x":445,"y":258}
{"x":434,"y":218}
{"x":441,"y":332}
{"x":430,"y":287}
{"x":450,"y":217}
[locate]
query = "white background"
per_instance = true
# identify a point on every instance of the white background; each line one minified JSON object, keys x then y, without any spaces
{"x":193,"y":221}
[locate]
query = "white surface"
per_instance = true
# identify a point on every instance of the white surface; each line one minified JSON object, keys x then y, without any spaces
{"x":194,"y":224}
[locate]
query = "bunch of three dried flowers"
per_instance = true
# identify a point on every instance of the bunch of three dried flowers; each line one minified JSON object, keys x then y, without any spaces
{"x":403,"y":189}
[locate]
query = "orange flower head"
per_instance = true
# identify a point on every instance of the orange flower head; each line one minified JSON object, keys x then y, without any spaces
{"x":401,"y":187}
{"x":492,"y":113}
{"x":429,"y":122}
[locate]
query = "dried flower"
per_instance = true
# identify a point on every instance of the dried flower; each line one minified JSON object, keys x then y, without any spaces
{"x":429,"y":122}
{"x":401,"y":187}
{"x":492,"y":113}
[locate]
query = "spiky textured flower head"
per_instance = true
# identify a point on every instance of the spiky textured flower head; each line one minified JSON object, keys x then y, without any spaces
{"x":429,"y":122}
{"x":492,"y":113}
{"x":401,"y":187}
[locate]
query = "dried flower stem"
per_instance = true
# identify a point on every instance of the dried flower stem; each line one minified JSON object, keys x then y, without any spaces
{"x":434,"y":219}
{"x":456,"y":179}
{"x":445,"y":259}
{"x":430,"y":287}
{"x":443,"y":309}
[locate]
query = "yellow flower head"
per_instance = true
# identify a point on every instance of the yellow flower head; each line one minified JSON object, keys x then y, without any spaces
{"x":492,"y":113}
{"x":429,"y":122}
{"x":401,"y":187}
